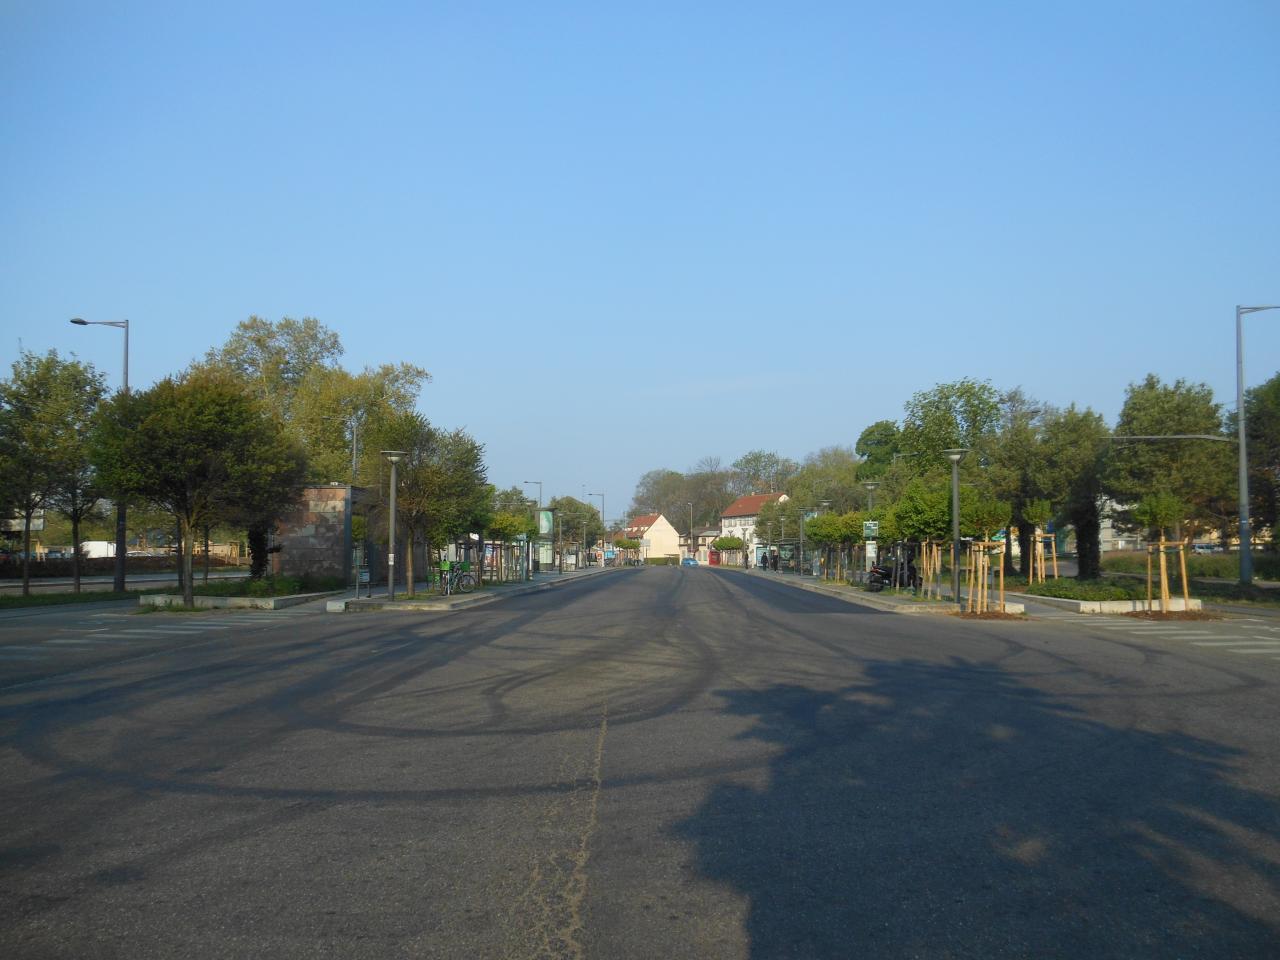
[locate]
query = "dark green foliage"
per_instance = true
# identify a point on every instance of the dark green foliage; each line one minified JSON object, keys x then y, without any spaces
{"x":1072,"y":589}
{"x":1196,"y":472}
{"x":270,"y":586}
{"x":201,"y":449}
{"x":1262,"y":425}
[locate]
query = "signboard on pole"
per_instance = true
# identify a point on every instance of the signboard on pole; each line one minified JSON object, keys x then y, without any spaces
{"x":545,"y":522}
{"x":870,"y":529}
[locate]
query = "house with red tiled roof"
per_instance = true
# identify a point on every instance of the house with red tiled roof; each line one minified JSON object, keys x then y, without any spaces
{"x":738,"y":519}
{"x":658,"y":538}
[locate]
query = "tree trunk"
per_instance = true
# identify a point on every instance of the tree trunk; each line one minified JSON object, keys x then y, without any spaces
{"x":75,"y":552}
{"x":182,"y":583}
{"x":257,"y":537}
{"x":206,"y":554}
{"x":26,"y":552}
{"x":188,"y":551}
{"x":1088,"y":526}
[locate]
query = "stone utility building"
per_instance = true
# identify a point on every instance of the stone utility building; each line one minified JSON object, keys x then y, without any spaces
{"x":658,"y":538}
{"x":314,"y":537}
{"x":738,"y":519}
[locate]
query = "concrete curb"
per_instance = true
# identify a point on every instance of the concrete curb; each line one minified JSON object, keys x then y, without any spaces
{"x":441,"y":605}
{"x":231,"y":603}
{"x":1104,"y":606}
{"x":876,"y":601}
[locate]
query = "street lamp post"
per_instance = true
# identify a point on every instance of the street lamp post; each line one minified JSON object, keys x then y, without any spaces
{"x":1246,"y":535}
{"x":954,"y":456}
{"x":690,"y":502}
{"x":122,"y":539}
{"x":394,"y":456}
{"x":871,"y":493}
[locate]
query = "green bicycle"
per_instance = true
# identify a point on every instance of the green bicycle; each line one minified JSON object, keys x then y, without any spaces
{"x":455,"y":580}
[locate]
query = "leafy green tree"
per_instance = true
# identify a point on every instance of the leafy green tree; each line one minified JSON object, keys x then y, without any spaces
{"x":961,"y":414}
{"x":985,"y":515}
{"x":510,"y":526}
{"x":199,"y":447}
{"x":1017,"y":467}
{"x":762,"y":471}
{"x":275,"y":358}
{"x":876,"y":446}
{"x":76,"y":493}
{"x":727,"y":543}
{"x":784,"y":519}
{"x":1076,"y":448}
{"x":662,"y":491}
{"x":443,"y":491}
{"x":291,"y":366}
{"x":832,"y":474}
{"x":1262,"y":427}
{"x":574,"y":517}
{"x":45,"y":410}
{"x":924,"y":510}
{"x":1196,"y":472}
{"x":513,"y":500}
{"x":1160,"y":512}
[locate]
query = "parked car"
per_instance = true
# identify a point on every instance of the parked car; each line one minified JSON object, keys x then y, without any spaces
{"x":688,"y":562}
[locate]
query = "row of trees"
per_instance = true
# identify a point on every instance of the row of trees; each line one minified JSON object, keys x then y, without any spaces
{"x":231,"y":440}
{"x":1026,"y":463}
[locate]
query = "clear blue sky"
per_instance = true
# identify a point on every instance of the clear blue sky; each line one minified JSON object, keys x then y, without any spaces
{"x":754,"y":226}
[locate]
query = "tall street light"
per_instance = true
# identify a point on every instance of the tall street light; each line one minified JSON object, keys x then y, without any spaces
{"x":394,"y":456}
{"x":954,"y":456}
{"x":690,"y":502}
{"x":122,"y":541}
{"x":871,"y":490}
{"x":1246,"y":535}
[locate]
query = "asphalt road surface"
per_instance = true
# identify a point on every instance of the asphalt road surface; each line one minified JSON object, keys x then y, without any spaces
{"x":648,"y":763}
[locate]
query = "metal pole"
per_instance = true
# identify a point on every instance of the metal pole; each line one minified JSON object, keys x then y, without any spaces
{"x":1246,"y":536}
{"x":955,"y":531}
{"x":122,"y":527}
{"x":800,"y":567}
{"x":391,"y":539}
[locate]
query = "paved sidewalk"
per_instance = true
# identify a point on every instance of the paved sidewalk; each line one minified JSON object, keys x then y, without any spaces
{"x":428,"y":598}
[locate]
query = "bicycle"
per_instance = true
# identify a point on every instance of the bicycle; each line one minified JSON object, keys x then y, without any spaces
{"x":455,"y":580}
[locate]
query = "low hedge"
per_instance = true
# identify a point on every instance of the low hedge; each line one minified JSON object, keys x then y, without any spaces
{"x":1070,"y":589}
{"x":269,"y":587}
{"x":1224,"y":565}
{"x":11,"y":569}
{"x":660,"y":561}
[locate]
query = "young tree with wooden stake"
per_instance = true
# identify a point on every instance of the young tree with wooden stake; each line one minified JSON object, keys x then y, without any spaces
{"x":1159,"y":511}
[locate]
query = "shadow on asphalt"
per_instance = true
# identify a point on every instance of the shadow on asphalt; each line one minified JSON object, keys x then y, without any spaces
{"x":948,"y":810}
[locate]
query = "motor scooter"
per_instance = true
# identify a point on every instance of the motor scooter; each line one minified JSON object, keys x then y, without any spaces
{"x":881,"y":575}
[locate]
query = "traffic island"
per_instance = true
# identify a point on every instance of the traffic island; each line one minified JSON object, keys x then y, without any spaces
{"x":429,"y":603}
{"x":230,"y":603}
